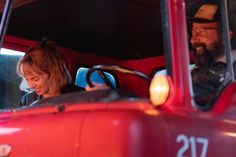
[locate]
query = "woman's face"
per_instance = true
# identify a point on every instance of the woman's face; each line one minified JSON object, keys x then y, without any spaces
{"x":38,"y":82}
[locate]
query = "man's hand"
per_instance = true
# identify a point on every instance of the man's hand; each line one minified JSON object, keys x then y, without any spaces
{"x":97,"y":86}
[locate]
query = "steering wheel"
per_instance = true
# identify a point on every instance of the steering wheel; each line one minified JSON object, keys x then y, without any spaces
{"x":101,"y":68}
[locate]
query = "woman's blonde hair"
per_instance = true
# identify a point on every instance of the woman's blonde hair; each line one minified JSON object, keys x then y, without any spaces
{"x":44,"y":58}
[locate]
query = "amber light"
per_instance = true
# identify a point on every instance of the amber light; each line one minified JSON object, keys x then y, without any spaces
{"x":159,"y":90}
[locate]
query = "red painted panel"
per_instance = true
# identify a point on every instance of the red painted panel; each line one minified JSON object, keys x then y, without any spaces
{"x":125,"y":132}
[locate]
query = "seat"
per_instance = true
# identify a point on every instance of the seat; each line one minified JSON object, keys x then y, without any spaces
{"x":80,"y":79}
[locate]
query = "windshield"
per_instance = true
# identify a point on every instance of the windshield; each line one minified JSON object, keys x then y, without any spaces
{"x":86,"y":34}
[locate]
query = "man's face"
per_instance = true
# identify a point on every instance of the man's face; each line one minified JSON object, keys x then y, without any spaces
{"x":206,"y":41}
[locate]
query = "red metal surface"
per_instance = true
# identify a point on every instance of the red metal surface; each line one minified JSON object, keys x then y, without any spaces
{"x":126,"y":129}
{"x":180,"y":59}
{"x":117,"y":129}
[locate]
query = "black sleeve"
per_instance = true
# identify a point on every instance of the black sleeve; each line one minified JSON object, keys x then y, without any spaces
{"x":207,"y":82}
{"x":28,"y":98}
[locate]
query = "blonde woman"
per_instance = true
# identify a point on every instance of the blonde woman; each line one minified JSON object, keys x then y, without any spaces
{"x":44,"y":73}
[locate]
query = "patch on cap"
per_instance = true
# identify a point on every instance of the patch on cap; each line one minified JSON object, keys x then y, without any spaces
{"x":207,"y":12}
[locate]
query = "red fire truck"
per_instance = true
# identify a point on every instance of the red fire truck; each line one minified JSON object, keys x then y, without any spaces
{"x":143,"y":47}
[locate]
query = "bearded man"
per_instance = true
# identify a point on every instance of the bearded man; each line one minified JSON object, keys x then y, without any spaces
{"x":209,"y":56}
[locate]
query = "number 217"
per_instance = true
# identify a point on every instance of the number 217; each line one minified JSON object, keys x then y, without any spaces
{"x":191,"y":143}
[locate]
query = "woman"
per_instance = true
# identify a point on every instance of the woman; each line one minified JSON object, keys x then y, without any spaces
{"x":44,"y":73}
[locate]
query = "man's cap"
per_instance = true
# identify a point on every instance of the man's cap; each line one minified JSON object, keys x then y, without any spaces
{"x":204,"y":11}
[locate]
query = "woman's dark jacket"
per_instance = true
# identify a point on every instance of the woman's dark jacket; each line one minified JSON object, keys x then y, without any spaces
{"x":31,"y":96}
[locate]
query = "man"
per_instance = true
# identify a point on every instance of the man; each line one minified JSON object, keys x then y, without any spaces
{"x":209,"y":56}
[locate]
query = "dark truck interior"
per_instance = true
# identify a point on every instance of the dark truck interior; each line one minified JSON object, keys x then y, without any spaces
{"x":124,"y":29}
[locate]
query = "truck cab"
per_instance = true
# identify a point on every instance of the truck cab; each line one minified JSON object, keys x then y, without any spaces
{"x":145,"y":48}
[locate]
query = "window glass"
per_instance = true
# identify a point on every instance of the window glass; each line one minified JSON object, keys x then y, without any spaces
{"x":9,"y":81}
{"x":232,"y":29}
{"x":207,"y":51}
{"x":118,"y":35}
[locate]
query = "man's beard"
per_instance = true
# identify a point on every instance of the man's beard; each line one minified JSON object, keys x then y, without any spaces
{"x":208,"y":56}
